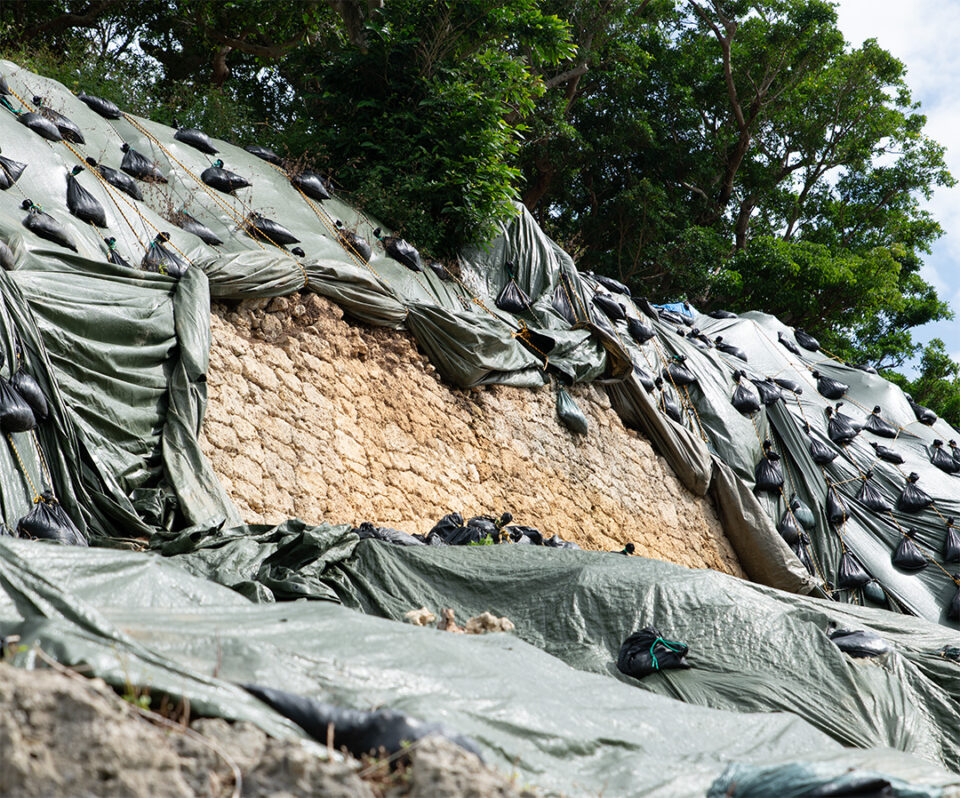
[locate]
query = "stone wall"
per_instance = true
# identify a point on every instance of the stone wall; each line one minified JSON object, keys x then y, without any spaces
{"x":313,"y":417}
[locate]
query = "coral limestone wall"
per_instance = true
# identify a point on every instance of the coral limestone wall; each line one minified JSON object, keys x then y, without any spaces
{"x":310,"y":416}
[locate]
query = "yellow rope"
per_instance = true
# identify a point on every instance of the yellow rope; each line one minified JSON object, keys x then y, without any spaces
{"x":36,"y":496}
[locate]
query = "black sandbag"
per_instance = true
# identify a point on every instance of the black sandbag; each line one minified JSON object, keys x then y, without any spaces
{"x":923,"y":414}
{"x":838,"y":428}
{"x":954,"y":452}
{"x":645,"y":652}
{"x":644,"y":379}
{"x":439,"y":269}
{"x":951,"y":543}
{"x":117,"y":179}
{"x":67,"y":127}
{"x":668,"y":403}
{"x":850,"y":574}
{"x":829,"y":387}
{"x":943,"y":459}
{"x":613,"y":309}
{"x":561,"y":301}
{"x":802,"y":550}
{"x":380,"y":732}
{"x":769,"y":473}
{"x":913,"y":499}
{"x":870,"y":496}
{"x":28,"y":388}
{"x":789,"y":528}
{"x":7,"y":259}
{"x":526,"y":535}
{"x":791,"y":385}
{"x":257,"y":226}
{"x":48,"y":521}
{"x":264,"y":153}
{"x":695,"y":339}
{"x":535,"y":342}
{"x":802,"y":513}
{"x":189,"y":224}
{"x":454,"y":532}
{"x":886,"y":453}
{"x":769,"y":392}
{"x":953,"y":611}
{"x":673,"y":318}
{"x":15,"y":412}
{"x":41,"y":126}
{"x":873,"y":591}
{"x":112,"y":255}
{"x":10,"y":172}
{"x":400,"y":250}
{"x":570,"y":413}
{"x":646,"y":307}
{"x":743,"y":399}
{"x":907,"y":556}
{"x":640,"y":332}
{"x":4,"y":88}
{"x":806,"y":340}
{"x":512,"y":298}
{"x":866,"y":368}
{"x":105,"y":108}
{"x":723,"y":314}
{"x":859,"y":643}
{"x":836,"y":507}
{"x":45,"y":226}
{"x":81,"y":203}
{"x":223,"y":179}
{"x":139,"y":166}
{"x":367,"y":531}
{"x":790,"y":345}
{"x":311,"y":184}
{"x":730,"y":349}
{"x":161,"y":260}
{"x":878,"y":426}
{"x":195,"y":138}
{"x":612,"y":285}
{"x":819,"y":451}
{"x":298,"y":251}
{"x":677,"y":372}
{"x":556,"y":543}
{"x":353,"y":243}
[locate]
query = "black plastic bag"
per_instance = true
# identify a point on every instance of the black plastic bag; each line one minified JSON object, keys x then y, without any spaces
{"x":730,"y":349}
{"x":298,"y":251}
{"x":382,"y":731}
{"x":612,"y":285}
{"x":836,"y":506}
{"x":802,"y":513}
{"x":674,"y":318}
{"x":722,"y":314}
{"x":613,"y":309}
{"x":195,"y":138}
{"x":139,"y":166}
{"x":399,"y":250}
{"x":951,"y":543}
{"x":67,"y":127}
{"x":878,"y":426}
{"x":646,"y":652}
{"x":646,"y":307}
{"x":954,"y":452}
{"x":819,"y":451}
{"x":829,"y":387}
{"x":257,"y":226}
{"x":367,"y":531}
{"x":953,"y":611}
{"x":561,"y":301}
{"x":924,"y":414}
{"x":644,"y":379}
{"x":668,"y":403}
{"x":806,"y":340}
{"x":886,"y":453}
{"x":838,"y":428}
{"x":264,"y":153}
{"x":161,"y":260}
{"x":117,"y":179}
{"x":788,"y":344}
{"x":45,"y":226}
{"x":791,"y":385}
{"x":769,"y":392}
{"x":512,"y":298}
{"x":874,"y":592}
{"x":105,"y":108}
{"x":81,"y":203}
{"x":223,"y":179}
{"x":743,"y":399}
{"x":789,"y":528}
{"x":907,"y":556}
{"x":913,"y":499}
{"x":15,"y":412}
{"x":943,"y":459}
{"x":678,"y":373}
{"x":555,"y":543}
{"x":48,"y":521}
{"x":769,"y":473}
{"x":570,"y":413}
{"x":640,"y":332}
{"x":851,"y":575}
{"x":32,"y":394}
{"x":41,"y":126}
{"x":10,"y":172}
{"x":452,"y":530}
{"x":802,"y":550}
{"x":187,"y":223}
{"x":871,"y":497}
{"x":439,"y":269}
{"x":526,"y":535}
{"x":859,"y":643}
{"x":112,"y":255}
{"x":311,"y":184}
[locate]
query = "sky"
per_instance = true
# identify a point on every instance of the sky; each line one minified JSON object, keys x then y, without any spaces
{"x":923,"y":34}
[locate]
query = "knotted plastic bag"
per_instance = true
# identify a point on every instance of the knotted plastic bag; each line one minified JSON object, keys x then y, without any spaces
{"x":820,"y":453}
{"x":311,"y":184}
{"x":791,"y":385}
{"x":743,"y":399}
{"x":561,"y":301}
{"x":769,"y":392}
{"x":32,"y":394}
{"x":191,"y":225}
{"x":644,"y":379}
{"x":668,"y":403}
{"x":871,"y":497}
{"x":265,"y":153}
{"x":45,"y":226}
{"x":859,"y":643}
{"x":730,"y":349}
{"x":67,"y":128}
{"x":907,"y":556}
{"x":678,"y":373}
{"x":913,"y":499}
{"x":802,"y":513}
{"x":923,"y":414}
{"x":943,"y":459}
{"x":953,"y":611}
{"x":265,"y":229}
{"x":886,"y":453}
{"x":878,"y":426}
{"x":839,"y":429}
{"x":806,"y":340}
{"x":788,"y":344}
{"x":789,"y":528}
{"x":15,"y":413}
{"x":829,"y":387}
{"x":105,"y":108}
{"x":512,"y":298}
{"x":611,"y":308}
{"x":81,"y":203}
{"x":48,"y":521}
{"x":570,"y":413}
{"x":117,"y":179}
{"x":951,"y":544}
{"x":640,"y":332}
{"x":195,"y":138}
{"x":646,"y":652}
{"x":769,"y":473}
{"x":223,"y":179}
{"x":10,"y":172}
{"x":161,"y":260}
{"x":139,"y":166}
{"x":612,"y":285}
{"x":40,"y":125}
{"x":836,"y":507}
{"x":850,"y":574}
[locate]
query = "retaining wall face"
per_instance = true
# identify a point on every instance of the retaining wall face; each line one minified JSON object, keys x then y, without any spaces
{"x":312,"y":417}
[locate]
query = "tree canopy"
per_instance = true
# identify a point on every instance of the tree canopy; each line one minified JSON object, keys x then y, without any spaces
{"x":737,"y":154}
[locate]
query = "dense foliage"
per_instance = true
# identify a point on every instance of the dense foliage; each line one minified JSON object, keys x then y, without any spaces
{"x":739,"y":154}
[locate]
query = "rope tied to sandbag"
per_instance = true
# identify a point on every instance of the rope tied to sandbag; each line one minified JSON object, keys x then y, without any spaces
{"x":672,"y":645}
